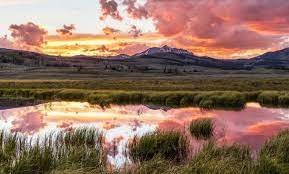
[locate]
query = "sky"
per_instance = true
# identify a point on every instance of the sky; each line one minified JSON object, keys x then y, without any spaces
{"x":216,"y":28}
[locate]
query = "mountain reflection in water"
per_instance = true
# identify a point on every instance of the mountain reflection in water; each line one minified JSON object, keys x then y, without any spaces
{"x":251,"y":126}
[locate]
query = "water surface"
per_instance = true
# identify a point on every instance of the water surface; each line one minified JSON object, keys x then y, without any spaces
{"x":251,"y":126}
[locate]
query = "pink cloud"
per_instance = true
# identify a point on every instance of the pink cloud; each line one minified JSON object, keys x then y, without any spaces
{"x":6,"y":43}
{"x":109,"y":8}
{"x":218,"y":24}
{"x":131,"y":49}
{"x":29,"y":123}
{"x":28,"y":36}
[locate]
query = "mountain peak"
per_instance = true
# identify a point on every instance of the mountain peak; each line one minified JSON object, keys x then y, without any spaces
{"x":163,"y":49}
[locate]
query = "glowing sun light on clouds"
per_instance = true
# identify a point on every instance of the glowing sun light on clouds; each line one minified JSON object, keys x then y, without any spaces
{"x":226,"y":29}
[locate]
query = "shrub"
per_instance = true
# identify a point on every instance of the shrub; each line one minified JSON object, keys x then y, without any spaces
{"x":170,"y":146}
{"x":202,"y":128}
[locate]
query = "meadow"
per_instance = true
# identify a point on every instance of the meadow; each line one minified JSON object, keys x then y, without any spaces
{"x":203,"y":99}
{"x":83,"y":151}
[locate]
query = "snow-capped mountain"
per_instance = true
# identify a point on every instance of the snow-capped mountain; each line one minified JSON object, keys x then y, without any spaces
{"x":164,"y":49}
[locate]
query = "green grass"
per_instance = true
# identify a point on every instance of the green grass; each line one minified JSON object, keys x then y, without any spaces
{"x":208,"y":93}
{"x":233,"y":159}
{"x":169,"y":145}
{"x":202,"y":128}
{"x":274,"y":156}
{"x":81,"y":148}
{"x":171,"y":83}
{"x":82,"y":151}
{"x":207,"y":100}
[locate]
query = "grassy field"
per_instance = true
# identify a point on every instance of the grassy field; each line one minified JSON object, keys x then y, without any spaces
{"x":173,"y":83}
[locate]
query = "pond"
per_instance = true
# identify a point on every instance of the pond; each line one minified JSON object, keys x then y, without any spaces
{"x":251,"y":126}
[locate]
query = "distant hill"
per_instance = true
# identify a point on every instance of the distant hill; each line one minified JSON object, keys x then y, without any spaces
{"x":156,"y":58}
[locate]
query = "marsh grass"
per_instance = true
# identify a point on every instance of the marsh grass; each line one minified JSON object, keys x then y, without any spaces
{"x":207,"y":100}
{"x":167,"y":145}
{"x":81,"y":148}
{"x":274,"y":156}
{"x":216,"y":160}
{"x":81,"y":152}
{"x":202,"y":128}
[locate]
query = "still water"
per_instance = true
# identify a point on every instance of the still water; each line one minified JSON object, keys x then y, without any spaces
{"x":251,"y":126}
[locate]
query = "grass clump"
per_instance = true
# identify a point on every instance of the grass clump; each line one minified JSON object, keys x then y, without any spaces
{"x":202,"y":128}
{"x":269,"y":98}
{"x":274,"y":156}
{"x":233,"y":159}
{"x":167,"y":145}
{"x":157,"y":165}
{"x":78,"y":149}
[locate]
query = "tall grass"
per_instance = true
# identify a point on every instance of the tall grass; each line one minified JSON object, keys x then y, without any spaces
{"x":81,"y":148}
{"x":207,"y":100}
{"x":167,"y":145}
{"x":81,"y":152}
{"x":233,"y":159}
{"x":202,"y":128}
{"x":274,"y":156}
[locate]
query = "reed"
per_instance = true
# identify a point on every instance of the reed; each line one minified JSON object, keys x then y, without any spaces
{"x":168,"y":145}
{"x":202,"y":128}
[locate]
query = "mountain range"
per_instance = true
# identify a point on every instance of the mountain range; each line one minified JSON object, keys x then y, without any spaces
{"x":152,"y":58}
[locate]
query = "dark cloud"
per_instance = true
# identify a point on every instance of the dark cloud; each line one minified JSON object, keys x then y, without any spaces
{"x":134,"y":11}
{"x":135,"y":32}
{"x":66,"y":30}
{"x":109,"y":8}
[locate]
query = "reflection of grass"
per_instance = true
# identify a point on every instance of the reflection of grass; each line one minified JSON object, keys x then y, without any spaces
{"x":81,"y":152}
{"x":202,"y":128}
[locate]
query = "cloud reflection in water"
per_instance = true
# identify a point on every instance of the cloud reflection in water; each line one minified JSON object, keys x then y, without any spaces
{"x":251,"y":126}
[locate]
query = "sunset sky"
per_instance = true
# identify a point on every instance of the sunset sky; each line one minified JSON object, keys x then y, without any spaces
{"x":217,"y":28}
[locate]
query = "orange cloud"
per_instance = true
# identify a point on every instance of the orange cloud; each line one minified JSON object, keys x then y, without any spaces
{"x":110,"y":31}
{"x":99,"y":45}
